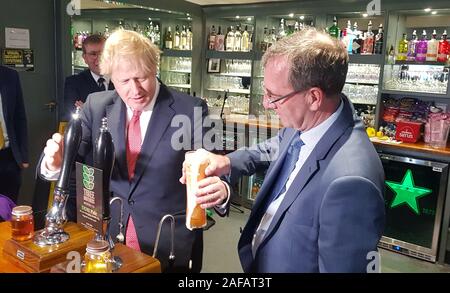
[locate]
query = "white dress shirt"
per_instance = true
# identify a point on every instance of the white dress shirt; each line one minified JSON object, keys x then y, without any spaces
{"x":143,"y":122}
{"x":3,"y":124}
{"x":310,"y":139}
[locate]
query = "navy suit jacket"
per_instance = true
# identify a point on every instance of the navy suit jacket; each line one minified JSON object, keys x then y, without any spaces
{"x":14,"y":113}
{"x":331,"y":217}
{"x":78,"y":87}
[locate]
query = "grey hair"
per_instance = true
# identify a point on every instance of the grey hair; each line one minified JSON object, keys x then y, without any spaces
{"x":315,"y":60}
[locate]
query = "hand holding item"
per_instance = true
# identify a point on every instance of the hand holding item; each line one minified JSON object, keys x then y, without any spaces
{"x":53,"y":152}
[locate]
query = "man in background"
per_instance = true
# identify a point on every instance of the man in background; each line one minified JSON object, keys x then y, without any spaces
{"x":77,"y":87}
{"x":13,"y":133}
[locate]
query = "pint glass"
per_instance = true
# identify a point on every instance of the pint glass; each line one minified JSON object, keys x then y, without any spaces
{"x":195,"y":165}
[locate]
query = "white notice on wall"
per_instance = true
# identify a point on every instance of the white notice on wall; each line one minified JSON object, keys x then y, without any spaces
{"x":18,"y":38}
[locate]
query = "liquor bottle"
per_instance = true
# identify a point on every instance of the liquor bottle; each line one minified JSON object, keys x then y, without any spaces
{"x":237,"y":39}
{"x":402,"y":48}
{"x":432,"y":48}
{"x":444,"y":48}
{"x":421,"y":48}
{"x":189,"y":38}
{"x":212,"y":38}
{"x":281,"y":30}
{"x":168,"y":40}
{"x":106,"y":32}
{"x":229,"y":44}
{"x":379,"y":40}
{"x":348,"y":38}
{"x":245,"y":40}
{"x":265,"y":41}
{"x":177,"y":39}
{"x":220,"y":41}
{"x":356,"y":40}
{"x":368,"y":41}
{"x":412,"y":45}
{"x":183,"y":45}
{"x":334,"y":29}
{"x":157,"y":36}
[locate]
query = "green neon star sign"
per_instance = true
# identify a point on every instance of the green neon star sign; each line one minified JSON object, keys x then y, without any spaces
{"x":406,"y":192}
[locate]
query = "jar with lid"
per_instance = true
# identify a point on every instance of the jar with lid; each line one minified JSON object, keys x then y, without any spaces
{"x":98,"y":257}
{"x":22,"y":223}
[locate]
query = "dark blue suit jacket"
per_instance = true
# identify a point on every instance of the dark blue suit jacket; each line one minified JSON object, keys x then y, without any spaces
{"x":155,"y":189}
{"x":331,"y":217}
{"x":14,"y":113}
{"x":78,"y":87}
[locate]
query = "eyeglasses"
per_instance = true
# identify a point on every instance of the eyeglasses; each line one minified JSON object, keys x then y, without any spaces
{"x":276,"y":99}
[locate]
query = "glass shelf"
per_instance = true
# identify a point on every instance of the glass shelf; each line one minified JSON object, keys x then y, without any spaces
{"x":430,"y":79}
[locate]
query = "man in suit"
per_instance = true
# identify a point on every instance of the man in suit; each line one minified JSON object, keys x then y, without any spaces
{"x":321,"y":207}
{"x":77,"y":87}
{"x":147,"y":164}
{"x":13,"y":133}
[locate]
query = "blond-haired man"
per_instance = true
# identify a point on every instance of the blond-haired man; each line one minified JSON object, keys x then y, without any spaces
{"x":147,"y":166}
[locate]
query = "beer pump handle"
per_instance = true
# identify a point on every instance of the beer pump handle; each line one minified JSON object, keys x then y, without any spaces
{"x":104,"y":160}
{"x":72,"y":140}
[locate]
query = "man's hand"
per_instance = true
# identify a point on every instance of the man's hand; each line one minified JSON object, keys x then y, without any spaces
{"x":218,"y":166}
{"x":211,"y":192}
{"x":53,"y":152}
{"x":79,"y":104}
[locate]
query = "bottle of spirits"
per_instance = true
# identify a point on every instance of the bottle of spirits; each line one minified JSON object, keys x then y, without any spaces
{"x":189,"y":38}
{"x":177,"y":39}
{"x":432,"y":48}
{"x":368,"y":41}
{"x":379,"y":38}
{"x":245,"y":42}
{"x":281,"y":30}
{"x":183,"y":45}
{"x":229,"y":44}
{"x":266,"y":38}
{"x":220,"y":41}
{"x":334,"y":29}
{"x":157,"y":36}
{"x":444,"y":48}
{"x":212,"y":38}
{"x":412,"y":45}
{"x":421,"y":48}
{"x":168,"y":40}
{"x":402,"y":48}
{"x":237,"y":39}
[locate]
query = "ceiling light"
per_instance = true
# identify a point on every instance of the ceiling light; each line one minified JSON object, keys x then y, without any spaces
{"x":427,"y":9}
{"x":433,"y":12}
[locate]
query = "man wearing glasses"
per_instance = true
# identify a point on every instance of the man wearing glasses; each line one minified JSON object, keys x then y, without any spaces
{"x":77,"y":87}
{"x":321,"y":207}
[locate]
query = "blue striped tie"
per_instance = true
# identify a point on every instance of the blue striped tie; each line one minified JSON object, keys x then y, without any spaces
{"x":286,"y":170}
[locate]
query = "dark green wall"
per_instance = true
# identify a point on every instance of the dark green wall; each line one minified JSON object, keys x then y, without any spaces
{"x":38,"y":86}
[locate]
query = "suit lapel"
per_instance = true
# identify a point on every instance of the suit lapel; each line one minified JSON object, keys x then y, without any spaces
{"x":159,"y":122}
{"x":311,"y":165}
{"x":116,"y":114}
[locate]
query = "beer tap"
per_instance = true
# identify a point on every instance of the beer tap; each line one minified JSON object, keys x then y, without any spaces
{"x":55,"y":219}
{"x":104,"y":160}
{"x":172,"y":237}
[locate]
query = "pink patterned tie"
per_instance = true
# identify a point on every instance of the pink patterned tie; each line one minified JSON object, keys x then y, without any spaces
{"x":134,"y":142}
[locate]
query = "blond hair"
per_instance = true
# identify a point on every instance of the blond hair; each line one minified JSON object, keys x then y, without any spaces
{"x":315,"y":60}
{"x":130,"y":46}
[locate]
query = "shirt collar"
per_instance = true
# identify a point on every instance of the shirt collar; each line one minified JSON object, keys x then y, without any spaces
{"x":151,"y":105}
{"x":312,"y":136}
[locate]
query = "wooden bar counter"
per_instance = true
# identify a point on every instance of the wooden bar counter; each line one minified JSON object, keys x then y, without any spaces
{"x":134,"y":261}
